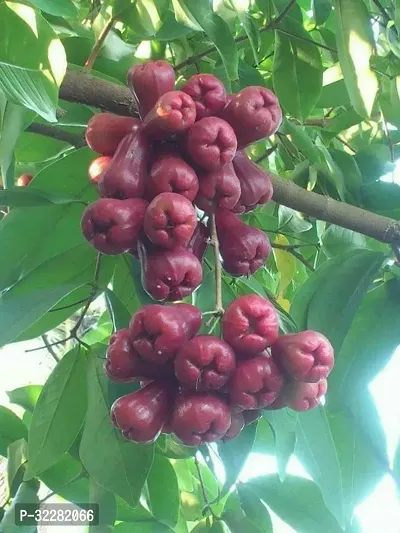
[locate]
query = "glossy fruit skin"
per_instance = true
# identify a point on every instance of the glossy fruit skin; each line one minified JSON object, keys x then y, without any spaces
{"x":302,"y":396}
{"x":254,"y":113}
{"x":148,"y":81}
{"x":211,"y":143}
{"x":24,"y":180}
{"x":158,"y":331}
{"x":170,"y":173}
{"x":250,"y":324}
{"x":199,"y":242}
{"x":208,"y":93}
{"x":306,"y":356}
{"x":169,"y":274}
{"x":112,"y":226}
{"x":121,"y":365}
{"x":256,"y":383}
{"x":244,"y":249}
{"x":141,"y":415}
{"x":218,"y":188}
{"x":205,"y":363}
{"x":170,"y":220}
{"x":172,"y":114}
{"x":97,"y":167}
{"x":105,"y":131}
{"x":200,"y":417}
{"x":237,"y":424}
{"x":126,"y":174}
{"x":255,"y":184}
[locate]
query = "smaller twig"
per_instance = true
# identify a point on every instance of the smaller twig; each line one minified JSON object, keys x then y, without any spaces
{"x":46,"y":347}
{"x":98,"y":45}
{"x":50,"y":348}
{"x":53,"y":493}
{"x":389,"y":141}
{"x":345,"y":144}
{"x":207,"y":507}
{"x":292,"y":250}
{"x":382,"y":10}
{"x":267,"y":153}
{"x":305,"y":39}
{"x":217,"y":267}
{"x":68,"y":306}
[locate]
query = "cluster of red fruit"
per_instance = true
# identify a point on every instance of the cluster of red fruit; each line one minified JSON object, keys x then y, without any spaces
{"x":158,"y":176}
{"x":184,"y":153}
{"x":203,"y":388}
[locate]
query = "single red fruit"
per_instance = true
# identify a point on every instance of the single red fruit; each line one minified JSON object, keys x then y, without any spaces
{"x":237,"y":424}
{"x":208,"y":93}
{"x":218,"y":188}
{"x":24,"y":180}
{"x":97,"y":167}
{"x":244,"y":249}
{"x":112,"y":226}
{"x":141,"y":415}
{"x":302,"y":396}
{"x":157,"y":331}
{"x":255,"y":184}
{"x":148,"y":81}
{"x":170,"y":220}
{"x":105,"y":131}
{"x":199,"y":241}
{"x":170,"y":173}
{"x":199,"y":418}
{"x":169,"y":274}
{"x":256,"y":383}
{"x":205,"y":363}
{"x":211,"y":143}
{"x":254,"y":113}
{"x":306,"y":356}
{"x":172,"y":114}
{"x":250,"y":324}
{"x":126,"y":174}
{"x":122,"y":361}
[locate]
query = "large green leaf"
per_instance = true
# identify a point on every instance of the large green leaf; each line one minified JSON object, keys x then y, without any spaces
{"x":234,"y":454}
{"x":59,"y":413}
{"x":363,"y":353}
{"x":66,"y":479}
{"x":120,"y":316}
{"x":11,"y":429}
{"x":298,"y":502}
{"x":200,"y":15}
{"x":337,"y":240}
{"x":114,"y":463}
{"x":31,"y":197}
{"x":25,"y":494}
{"x":152,"y":527}
{"x":321,"y":9}
{"x":254,"y":509}
{"x":127,"y":286}
{"x":297,"y":69}
{"x":25,"y":397}
{"x":283,"y":423}
{"x":355,"y":43}
{"x":241,"y":7}
{"x":107,"y":508}
{"x":316,"y":449}
{"x":59,"y":8}
{"x":30,"y":79}
{"x":163,"y":490}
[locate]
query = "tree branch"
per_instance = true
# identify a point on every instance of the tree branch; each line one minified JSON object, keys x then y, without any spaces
{"x":57,"y":133}
{"x":98,"y":44}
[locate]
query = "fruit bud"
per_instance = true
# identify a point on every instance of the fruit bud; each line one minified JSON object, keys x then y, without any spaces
{"x":148,"y":81}
{"x":208,"y":93}
{"x":218,"y":188}
{"x":255,"y":184}
{"x":105,"y":131}
{"x":250,"y":324}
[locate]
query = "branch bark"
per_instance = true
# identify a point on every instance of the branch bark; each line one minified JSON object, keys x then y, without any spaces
{"x":57,"y":133}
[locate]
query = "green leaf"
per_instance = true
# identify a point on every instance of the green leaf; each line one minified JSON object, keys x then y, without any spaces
{"x":65,"y":479}
{"x":114,"y":463}
{"x":16,"y":457}
{"x":254,"y":509}
{"x":33,"y":79}
{"x":292,"y":221}
{"x":153,"y":527}
{"x":31,"y":197}
{"x":298,"y":502}
{"x":25,"y":397}
{"x":316,"y":450}
{"x":283,"y":423}
{"x":355,"y":43}
{"x":200,"y":15}
{"x":321,"y":9}
{"x":11,"y":429}
{"x":170,"y":447}
{"x":337,"y":240}
{"x":303,"y":141}
{"x":14,"y":121}
{"x":59,"y":8}
{"x":59,"y":413}
{"x":126,"y":513}
{"x":127,"y":286}
{"x":241,"y":8}
{"x":349,"y":168}
{"x":107,"y":508}
{"x":373,"y":162}
{"x":334,"y":94}
{"x":234,"y":454}
{"x":25,"y":494}
{"x":18,"y":313}
{"x":120,"y":316}
{"x":363,"y":354}
{"x":297,"y":70}
{"x":163,"y":490}
{"x":360,"y":468}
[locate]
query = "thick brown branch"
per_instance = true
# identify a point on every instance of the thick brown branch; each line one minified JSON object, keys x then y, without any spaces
{"x":382,"y":228}
{"x":57,"y":133}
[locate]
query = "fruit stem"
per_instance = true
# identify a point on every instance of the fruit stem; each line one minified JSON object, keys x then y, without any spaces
{"x":217,"y":267}
{"x":207,"y":507}
{"x":98,"y":45}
